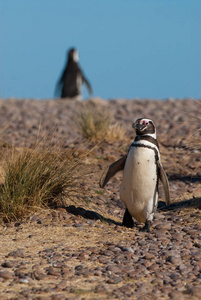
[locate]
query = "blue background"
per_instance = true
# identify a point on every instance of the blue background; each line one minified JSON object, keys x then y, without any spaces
{"x":127,"y":49}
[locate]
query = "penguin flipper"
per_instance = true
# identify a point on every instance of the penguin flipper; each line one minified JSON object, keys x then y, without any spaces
{"x":112,"y":170}
{"x":164,"y":179}
{"x":59,"y":85}
{"x":87,"y":84}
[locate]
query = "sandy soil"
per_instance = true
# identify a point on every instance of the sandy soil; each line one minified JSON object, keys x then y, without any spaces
{"x":82,"y":251}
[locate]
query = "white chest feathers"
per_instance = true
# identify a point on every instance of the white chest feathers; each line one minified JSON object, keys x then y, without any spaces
{"x":139,"y":185}
{"x":79,"y":83}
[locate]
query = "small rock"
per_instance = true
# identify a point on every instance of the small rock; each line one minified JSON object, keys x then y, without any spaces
{"x":177,"y":236}
{"x":53,"y":272}
{"x":78,"y":225}
{"x":113,"y":269}
{"x":61,"y":285}
{"x":24,"y":280}
{"x":157,"y":281}
{"x":6,"y":275}
{"x":197,"y":244}
{"x":164,"y":226}
{"x":176,"y":295}
{"x":101,"y":288}
{"x":57,"y":297}
{"x":174,"y":276}
{"x":17,"y":253}
{"x":195,"y":291}
{"x":158,"y":215}
{"x":34,"y":219}
{"x":38,"y":275}
{"x":79,"y":267}
{"x":149,"y":256}
{"x":7,"y":264}
{"x":175,"y":260}
{"x":114,"y":280}
{"x":129,"y":249}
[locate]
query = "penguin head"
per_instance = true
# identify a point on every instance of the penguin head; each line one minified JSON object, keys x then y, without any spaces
{"x":144,"y":126}
{"x":73,"y":55}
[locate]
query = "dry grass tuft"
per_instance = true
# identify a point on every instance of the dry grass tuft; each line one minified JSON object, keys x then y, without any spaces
{"x":116,"y":132}
{"x":95,"y":123}
{"x":37,"y":177}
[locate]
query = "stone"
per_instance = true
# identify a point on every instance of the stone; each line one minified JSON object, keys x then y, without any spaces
{"x":17,"y":253}
{"x":6,"y":275}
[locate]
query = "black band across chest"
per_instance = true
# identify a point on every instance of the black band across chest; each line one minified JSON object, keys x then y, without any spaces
{"x":147,"y":138}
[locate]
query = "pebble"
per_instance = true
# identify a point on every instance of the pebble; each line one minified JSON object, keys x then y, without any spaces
{"x":38,"y":275}
{"x":164,"y":226}
{"x":113,"y":269}
{"x":129,"y":249}
{"x":17,"y":253}
{"x":6,"y":275}
{"x":61,"y":285}
{"x":114,"y":280}
{"x":24,"y":280}
{"x":159,"y":215}
{"x":174,"y":259}
{"x":177,"y":236}
{"x":149,"y":256}
{"x":7,"y":264}
{"x":194,"y":291}
{"x":101,"y":288}
{"x":51,"y":271}
{"x":98,"y":273}
{"x":157,"y":281}
{"x":176,"y":295}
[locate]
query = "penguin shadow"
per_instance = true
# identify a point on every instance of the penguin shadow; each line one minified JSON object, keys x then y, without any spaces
{"x":193,"y":202}
{"x":191,"y":179}
{"x":89,"y":214}
{"x":92,"y":215}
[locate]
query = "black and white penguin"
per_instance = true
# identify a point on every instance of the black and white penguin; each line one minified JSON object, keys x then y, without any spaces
{"x":72,"y":78}
{"x":142,"y":170}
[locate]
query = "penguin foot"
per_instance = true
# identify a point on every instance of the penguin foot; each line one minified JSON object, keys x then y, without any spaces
{"x":146,"y":226}
{"x":128,"y":220}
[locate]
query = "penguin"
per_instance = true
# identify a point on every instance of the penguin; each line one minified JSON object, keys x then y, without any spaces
{"x":70,"y":82}
{"x":142,"y":169}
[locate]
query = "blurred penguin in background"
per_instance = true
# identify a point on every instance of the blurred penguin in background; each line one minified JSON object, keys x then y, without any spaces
{"x":72,"y":78}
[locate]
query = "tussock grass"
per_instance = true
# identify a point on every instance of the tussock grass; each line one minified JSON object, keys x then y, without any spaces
{"x":95,"y":123}
{"x":116,"y":132}
{"x":37,"y":177}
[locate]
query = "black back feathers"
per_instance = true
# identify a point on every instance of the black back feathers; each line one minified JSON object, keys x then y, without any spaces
{"x":72,"y":78}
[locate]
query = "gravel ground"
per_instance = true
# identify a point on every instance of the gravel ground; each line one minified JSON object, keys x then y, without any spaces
{"x":82,"y":251}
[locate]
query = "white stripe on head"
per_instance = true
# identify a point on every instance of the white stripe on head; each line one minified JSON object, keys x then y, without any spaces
{"x":75,"y":56}
{"x":152,"y":134}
